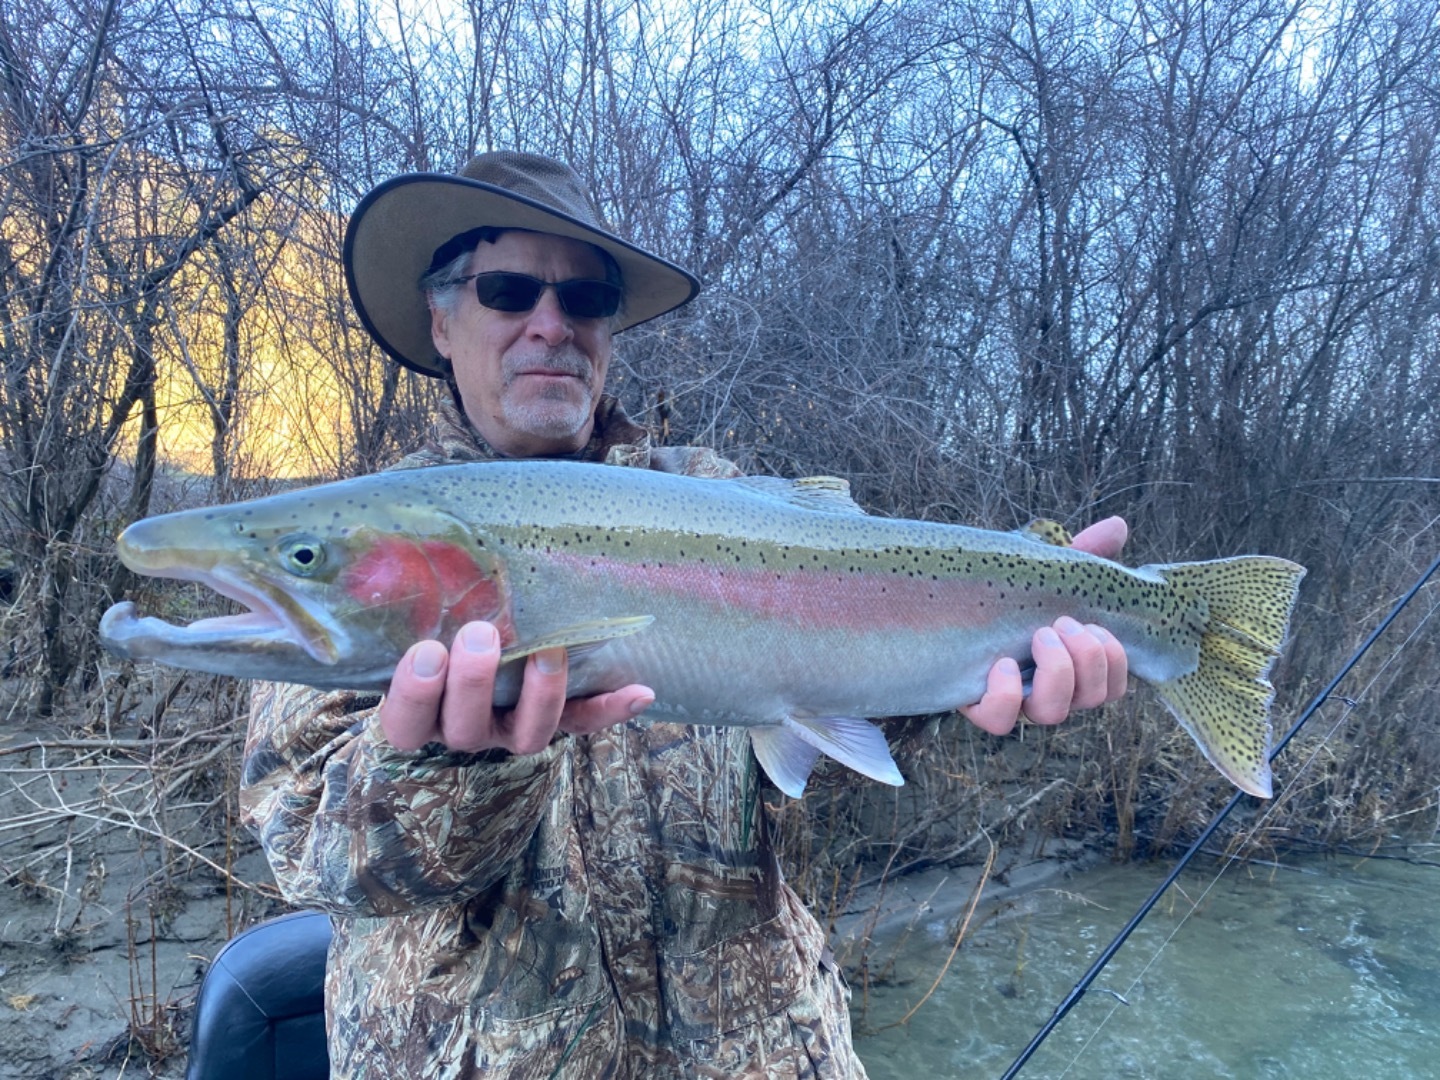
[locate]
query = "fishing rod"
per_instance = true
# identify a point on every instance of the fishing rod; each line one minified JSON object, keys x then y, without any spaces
{"x":1110,"y":950}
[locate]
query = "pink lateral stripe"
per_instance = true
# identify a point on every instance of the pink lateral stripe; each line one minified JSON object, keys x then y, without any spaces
{"x":814,"y":599}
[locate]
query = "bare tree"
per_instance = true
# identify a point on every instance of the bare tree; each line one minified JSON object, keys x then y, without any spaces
{"x":101,"y":221}
{"x":1066,"y":257}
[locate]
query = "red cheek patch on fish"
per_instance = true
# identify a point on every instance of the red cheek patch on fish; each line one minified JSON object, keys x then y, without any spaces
{"x":436,"y":587}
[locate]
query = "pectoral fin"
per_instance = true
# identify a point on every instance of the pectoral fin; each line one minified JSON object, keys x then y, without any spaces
{"x":581,"y":638}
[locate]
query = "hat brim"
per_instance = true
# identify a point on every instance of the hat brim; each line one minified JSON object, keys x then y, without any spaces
{"x":396,"y":229}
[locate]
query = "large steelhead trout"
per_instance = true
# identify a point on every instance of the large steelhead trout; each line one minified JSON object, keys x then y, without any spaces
{"x":775,"y":605}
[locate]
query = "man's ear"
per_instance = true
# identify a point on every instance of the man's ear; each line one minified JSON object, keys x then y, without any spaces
{"x":440,"y":330}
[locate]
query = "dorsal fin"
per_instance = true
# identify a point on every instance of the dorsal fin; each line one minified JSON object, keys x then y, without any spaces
{"x":828,"y":494}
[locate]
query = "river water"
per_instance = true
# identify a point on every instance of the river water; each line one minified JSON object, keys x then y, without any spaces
{"x":1322,"y":969}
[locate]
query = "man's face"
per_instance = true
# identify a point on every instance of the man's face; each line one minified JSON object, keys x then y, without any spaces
{"x":530,"y":380}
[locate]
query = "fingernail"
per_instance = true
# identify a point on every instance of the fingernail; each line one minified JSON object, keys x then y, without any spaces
{"x":428,"y":659}
{"x":1008,"y":665}
{"x":1068,"y":626}
{"x":1048,"y":637}
{"x":1099,"y":633}
{"x":479,"y":638}
{"x":550,"y":661}
{"x":639,"y":705}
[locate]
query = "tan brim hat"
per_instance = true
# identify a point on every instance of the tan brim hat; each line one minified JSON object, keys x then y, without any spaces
{"x":398,"y":227}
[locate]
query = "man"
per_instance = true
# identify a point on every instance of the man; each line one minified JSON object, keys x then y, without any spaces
{"x":552,"y":891}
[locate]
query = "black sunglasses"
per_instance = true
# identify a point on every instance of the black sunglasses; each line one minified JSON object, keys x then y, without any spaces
{"x":581,"y":298}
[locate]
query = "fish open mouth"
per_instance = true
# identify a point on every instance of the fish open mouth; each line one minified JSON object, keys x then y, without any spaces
{"x":274,"y":623}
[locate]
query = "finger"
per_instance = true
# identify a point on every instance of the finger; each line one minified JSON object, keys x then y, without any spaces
{"x":998,"y":710}
{"x":1089,"y":660}
{"x":536,"y":716}
{"x":1104,"y":538}
{"x":467,"y":722}
{"x":1054,"y":685}
{"x":409,"y":714}
{"x":585,"y":716}
{"x":1117,"y":664}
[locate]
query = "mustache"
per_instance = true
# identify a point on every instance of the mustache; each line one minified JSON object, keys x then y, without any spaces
{"x":563,"y":361}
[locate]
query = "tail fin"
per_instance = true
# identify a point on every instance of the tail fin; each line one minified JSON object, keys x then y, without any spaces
{"x":1225,"y":702}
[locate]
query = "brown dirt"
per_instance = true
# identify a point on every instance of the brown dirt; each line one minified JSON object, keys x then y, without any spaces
{"x":113,"y":898}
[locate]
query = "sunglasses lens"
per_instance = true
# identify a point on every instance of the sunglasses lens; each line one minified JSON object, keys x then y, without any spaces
{"x":502,"y":291}
{"x":589,"y":299}
{"x":507,"y":292}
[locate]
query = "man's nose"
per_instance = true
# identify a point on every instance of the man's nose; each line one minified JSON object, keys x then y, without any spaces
{"x":548,"y":320}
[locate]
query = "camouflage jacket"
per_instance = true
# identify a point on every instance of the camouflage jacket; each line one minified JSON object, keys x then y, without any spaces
{"x":609,"y":907}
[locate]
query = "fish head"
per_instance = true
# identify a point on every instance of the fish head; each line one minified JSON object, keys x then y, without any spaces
{"x":337,"y":586}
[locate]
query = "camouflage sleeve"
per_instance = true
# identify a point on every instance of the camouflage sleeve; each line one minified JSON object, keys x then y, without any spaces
{"x":698,"y":461}
{"x":353,"y":826}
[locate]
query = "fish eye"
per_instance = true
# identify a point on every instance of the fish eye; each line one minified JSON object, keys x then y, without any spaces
{"x":303,"y":556}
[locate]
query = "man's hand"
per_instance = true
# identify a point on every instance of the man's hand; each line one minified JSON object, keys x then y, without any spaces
{"x":1076,"y":667}
{"x":444,"y":696}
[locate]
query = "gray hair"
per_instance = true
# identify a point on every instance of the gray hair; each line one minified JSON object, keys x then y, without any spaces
{"x":439,"y":284}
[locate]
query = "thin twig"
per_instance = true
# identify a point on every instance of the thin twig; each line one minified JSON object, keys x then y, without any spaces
{"x":959,"y":936}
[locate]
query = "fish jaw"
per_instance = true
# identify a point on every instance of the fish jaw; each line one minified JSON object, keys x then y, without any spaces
{"x":285,"y":633}
{"x":371,"y":588}
{"x":248,"y":646}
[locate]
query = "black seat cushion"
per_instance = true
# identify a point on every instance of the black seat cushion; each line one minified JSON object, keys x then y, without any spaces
{"x":260,"y":1014}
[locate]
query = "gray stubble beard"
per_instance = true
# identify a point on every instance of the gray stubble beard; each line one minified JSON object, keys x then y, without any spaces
{"x":556,"y":414}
